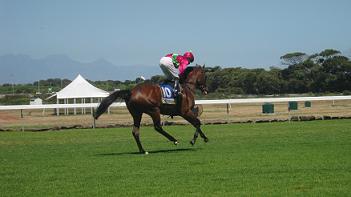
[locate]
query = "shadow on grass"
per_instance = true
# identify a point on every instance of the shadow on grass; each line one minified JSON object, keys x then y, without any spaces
{"x":150,"y":152}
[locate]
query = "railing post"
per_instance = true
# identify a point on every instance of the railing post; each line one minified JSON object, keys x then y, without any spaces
{"x":228,"y":110}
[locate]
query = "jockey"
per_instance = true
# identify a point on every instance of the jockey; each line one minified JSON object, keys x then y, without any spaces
{"x":173,"y":65}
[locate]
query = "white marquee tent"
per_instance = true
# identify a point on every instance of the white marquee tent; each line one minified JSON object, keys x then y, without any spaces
{"x":81,"y":90}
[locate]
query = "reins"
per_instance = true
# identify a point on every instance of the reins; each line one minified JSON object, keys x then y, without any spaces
{"x":188,"y":86}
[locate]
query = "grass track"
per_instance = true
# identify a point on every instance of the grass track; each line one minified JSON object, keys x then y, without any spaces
{"x":279,"y":159}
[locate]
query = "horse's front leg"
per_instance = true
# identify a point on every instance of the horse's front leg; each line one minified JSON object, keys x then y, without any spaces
{"x":202,"y":134}
{"x":196,"y":134}
{"x":192,"y":119}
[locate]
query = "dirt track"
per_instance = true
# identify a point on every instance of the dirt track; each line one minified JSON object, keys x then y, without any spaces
{"x":38,"y":119}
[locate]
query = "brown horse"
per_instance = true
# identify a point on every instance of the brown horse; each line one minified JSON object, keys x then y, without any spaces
{"x":147,"y":98}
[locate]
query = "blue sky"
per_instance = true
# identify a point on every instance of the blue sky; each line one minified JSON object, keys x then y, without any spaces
{"x":244,"y":33}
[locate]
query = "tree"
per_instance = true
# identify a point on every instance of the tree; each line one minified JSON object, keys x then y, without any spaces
{"x":338,"y":73}
{"x":248,"y":82}
{"x":328,"y":53}
{"x":319,"y":58}
{"x":157,"y":79}
{"x":267,"y":83}
{"x":293,"y":58}
{"x":299,"y":77}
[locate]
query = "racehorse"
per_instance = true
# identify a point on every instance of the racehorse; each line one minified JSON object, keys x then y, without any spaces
{"x":147,"y":98}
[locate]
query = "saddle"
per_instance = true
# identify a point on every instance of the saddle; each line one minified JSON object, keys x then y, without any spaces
{"x":168,"y":92}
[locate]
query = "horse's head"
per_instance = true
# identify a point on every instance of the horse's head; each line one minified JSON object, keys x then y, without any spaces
{"x":197,"y":76}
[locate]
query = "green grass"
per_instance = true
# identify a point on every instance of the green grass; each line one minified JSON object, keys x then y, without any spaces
{"x":268,"y":159}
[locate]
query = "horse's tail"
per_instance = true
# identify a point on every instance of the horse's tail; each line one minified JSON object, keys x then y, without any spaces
{"x":123,"y":94}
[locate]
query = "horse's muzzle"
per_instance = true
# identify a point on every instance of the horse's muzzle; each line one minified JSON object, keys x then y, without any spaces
{"x":203,"y":90}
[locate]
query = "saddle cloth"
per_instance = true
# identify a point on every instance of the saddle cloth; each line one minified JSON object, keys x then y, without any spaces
{"x":167,"y":92}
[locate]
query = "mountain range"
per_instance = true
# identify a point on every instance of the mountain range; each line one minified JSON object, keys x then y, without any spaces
{"x":25,"y":69}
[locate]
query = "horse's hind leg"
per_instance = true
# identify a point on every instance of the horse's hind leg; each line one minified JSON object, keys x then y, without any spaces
{"x":136,"y":130}
{"x":192,"y":119}
{"x":155,"y":115}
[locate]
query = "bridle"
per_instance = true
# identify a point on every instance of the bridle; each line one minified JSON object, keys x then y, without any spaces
{"x":202,"y":87}
{"x":195,"y":84}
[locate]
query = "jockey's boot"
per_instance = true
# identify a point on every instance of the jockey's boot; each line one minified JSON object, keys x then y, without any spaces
{"x":177,"y":88}
{"x":178,"y":101}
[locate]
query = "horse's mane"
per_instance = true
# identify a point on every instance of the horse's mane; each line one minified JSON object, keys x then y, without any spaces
{"x":186,"y":72}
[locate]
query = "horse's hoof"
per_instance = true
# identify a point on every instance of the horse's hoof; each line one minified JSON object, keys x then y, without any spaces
{"x":146,"y":153}
{"x":176,"y":143}
{"x":206,"y":140}
{"x":192,"y":142}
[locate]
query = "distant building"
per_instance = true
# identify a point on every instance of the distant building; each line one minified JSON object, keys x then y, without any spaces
{"x":36,"y":101}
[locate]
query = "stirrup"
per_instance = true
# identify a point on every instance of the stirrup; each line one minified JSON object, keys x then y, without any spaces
{"x":180,"y":92}
{"x":177,"y":93}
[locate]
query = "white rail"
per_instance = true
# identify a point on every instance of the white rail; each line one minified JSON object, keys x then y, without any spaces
{"x":273,"y":100}
{"x":203,"y":102}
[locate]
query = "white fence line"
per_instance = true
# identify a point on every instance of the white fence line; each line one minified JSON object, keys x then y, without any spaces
{"x":273,"y":100}
{"x":56,"y":106}
{"x":203,"y":102}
